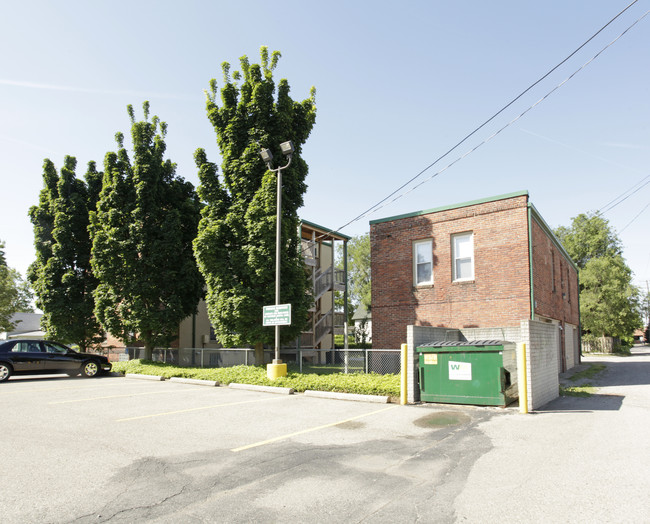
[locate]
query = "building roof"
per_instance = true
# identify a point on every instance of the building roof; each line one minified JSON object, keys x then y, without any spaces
{"x":323,"y":233}
{"x":27,"y":334}
{"x":453,"y":206}
{"x":25,"y":324}
{"x":362,"y":313}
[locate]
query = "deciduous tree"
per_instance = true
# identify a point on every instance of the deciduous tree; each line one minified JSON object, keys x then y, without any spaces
{"x":61,"y":275}
{"x":609,"y":303}
{"x":589,"y":236}
{"x":15,"y":295}
{"x":236,"y":242}
{"x":359,"y":270}
{"x":142,"y":236}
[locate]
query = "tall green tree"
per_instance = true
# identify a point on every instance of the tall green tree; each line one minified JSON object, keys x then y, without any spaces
{"x":359,"y":270}
{"x":609,"y":303}
{"x":589,"y":236}
{"x":15,"y":295}
{"x":61,"y":275}
{"x":236,"y":242}
{"x":359,"y":281}
{"x":142,"y":234}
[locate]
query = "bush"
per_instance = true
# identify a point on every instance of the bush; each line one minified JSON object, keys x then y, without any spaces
{"x":364,"y":384}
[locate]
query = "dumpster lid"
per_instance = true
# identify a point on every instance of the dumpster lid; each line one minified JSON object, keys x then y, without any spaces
{"x":463,"y":343}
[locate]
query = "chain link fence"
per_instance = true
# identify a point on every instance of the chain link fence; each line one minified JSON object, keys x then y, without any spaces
{"x":200,"y":357}
{"x":380,"y":361}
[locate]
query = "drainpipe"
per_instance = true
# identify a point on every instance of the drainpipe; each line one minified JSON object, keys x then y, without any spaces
{"x":579,"y":322}
{"x":530,"y":262}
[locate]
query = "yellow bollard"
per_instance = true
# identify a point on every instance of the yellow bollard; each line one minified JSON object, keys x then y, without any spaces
{"x":404,"y":372}
{"x":276,"y":370}
{"x":523,"y":381}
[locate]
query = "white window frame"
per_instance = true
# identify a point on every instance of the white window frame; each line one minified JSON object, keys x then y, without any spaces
{"x":455,"y":258}
{"x":428,"y":243}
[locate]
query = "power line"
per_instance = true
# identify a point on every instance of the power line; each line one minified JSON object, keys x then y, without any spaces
{"x":610,"y":205}
{"x":375,"y":206}
{"x":636,"y":216}
{"x":378,"y":206}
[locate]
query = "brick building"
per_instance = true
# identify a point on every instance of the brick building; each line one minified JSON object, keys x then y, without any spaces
{"x":491,"y":263}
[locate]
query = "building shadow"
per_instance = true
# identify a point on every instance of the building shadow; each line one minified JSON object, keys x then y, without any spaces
{"x":583,"y":404}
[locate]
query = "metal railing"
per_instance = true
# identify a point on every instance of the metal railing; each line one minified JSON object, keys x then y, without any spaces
{"x":323,"y":326}
{"x":326,"y":280}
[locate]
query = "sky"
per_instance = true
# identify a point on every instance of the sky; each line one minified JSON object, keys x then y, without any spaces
{"x":397,"y":86}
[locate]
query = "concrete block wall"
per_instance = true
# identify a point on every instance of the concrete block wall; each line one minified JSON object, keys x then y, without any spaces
{"x":416,"y":336}
{"x":541,"y":354}
{"x":508,"y":333}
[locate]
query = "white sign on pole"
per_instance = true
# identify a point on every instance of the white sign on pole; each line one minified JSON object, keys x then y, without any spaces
{"x":276,"y":315}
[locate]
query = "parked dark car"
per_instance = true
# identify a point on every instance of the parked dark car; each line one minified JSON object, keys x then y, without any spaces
{"x":32,"y":357}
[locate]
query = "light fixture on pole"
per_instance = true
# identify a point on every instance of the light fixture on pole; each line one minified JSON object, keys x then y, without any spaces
{"x":287,"y":150}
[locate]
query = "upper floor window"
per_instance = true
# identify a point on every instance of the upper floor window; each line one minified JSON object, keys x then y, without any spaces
{"x":462,"y":246}
{"x":423,"y":262}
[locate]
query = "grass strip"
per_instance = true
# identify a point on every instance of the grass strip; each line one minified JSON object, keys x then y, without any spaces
{"x":590,"y":372}
{"x":587,"y":390}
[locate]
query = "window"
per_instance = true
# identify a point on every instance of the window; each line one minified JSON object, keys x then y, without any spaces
{"x":423,"y":262}
{"x":55,"y":348}
{"x":463,"y":256}
{"x":26,"y":347}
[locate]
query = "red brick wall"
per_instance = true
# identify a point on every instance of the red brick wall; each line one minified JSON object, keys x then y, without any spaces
{"x":555,"y":281}
{"x":499,"y":294}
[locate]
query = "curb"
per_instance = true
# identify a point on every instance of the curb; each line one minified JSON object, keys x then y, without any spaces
{"x":195,"y":381}
{"x":144,"y":377}
{"x":347,"y":396}
{"x":265,"y":389}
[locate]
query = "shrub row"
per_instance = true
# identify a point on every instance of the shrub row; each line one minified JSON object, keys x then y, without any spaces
{"x":364,"y":384}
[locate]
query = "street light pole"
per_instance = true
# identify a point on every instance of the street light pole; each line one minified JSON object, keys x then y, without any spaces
{"x":278,"y":244}
{"x":287,"y":150}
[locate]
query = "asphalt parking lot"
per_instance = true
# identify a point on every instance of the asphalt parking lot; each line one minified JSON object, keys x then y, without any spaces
{"x":126,"y":450}
{"x":113,"y":449}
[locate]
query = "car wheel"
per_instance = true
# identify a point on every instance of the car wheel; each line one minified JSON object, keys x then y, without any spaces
{"x":5,"y":372}
{"x":90,"y":369}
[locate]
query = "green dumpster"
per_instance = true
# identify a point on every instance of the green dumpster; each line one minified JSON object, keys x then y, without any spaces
{"x":482,"y":372}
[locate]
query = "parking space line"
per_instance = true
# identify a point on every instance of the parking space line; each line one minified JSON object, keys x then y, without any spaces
{"x":309,"y":430}
{"x":60,"y":388}
{"x":189,"y":410}
{"x":114,"y":396}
